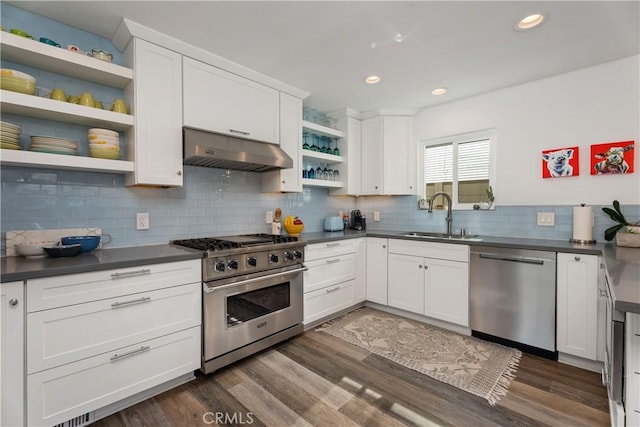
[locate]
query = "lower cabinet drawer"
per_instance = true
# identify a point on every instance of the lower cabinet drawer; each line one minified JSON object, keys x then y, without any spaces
{"x":59,"y":394}
{"x":66,"y":334}
{"x":326,"y":301}
{"x":329,"y":271}
{"x":329,"y":249}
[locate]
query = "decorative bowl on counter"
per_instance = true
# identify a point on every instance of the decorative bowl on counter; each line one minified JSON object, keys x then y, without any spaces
{"x":62,"y":250}
{"x":294,"y":229}
{"x":87,"y":243}
{"x":31,"y":250}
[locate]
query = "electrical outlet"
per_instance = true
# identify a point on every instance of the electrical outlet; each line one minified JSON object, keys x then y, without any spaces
{"x":268,"y":218}
{"x":376,"y":215}
{"x":142,"y":221}
{"x":546,"y":219}
{"x":340,"y":214}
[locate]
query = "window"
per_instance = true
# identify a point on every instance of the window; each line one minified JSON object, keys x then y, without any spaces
{"x":462,"y":166}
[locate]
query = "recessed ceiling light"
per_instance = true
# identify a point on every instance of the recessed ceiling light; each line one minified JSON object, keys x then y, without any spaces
{"x":372,"y":80}
{"x":398,"y":38}
{"x":439,"y":91}
{"x":531,"y":21}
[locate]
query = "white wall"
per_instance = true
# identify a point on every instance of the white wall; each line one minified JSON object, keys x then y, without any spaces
{"x":590,"y":106}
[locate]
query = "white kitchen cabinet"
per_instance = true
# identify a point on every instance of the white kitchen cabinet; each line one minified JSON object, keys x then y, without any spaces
{"x":360,"y":283}
{"x":602,"y":308}
{"x":94,"y":339}
{"x":12,"y":372}
{"x":632,"y":369}
{"x":577,"y":305}
{"x":430,"y":279}
{"x":223,"y":102}
{"x":287,"y":180}
{"x":155,"y":96}
{"x":42,"y":56}
{"x":406,"y":283}
{"x":388,"y":156}
{"x":351,"y":150}
{"x":330,"y":280}
{"x":377,"y":270}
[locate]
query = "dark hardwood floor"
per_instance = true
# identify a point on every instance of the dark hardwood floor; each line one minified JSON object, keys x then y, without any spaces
{"x":318,"y":380}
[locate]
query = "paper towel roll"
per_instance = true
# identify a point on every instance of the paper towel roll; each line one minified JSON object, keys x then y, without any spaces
{"x":583,"y":223}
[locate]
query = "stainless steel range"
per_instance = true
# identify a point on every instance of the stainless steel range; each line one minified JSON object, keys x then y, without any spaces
{"x":252,"y":294}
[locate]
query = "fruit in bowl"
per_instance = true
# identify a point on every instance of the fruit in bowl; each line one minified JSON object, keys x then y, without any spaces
{"x":293,"y":225}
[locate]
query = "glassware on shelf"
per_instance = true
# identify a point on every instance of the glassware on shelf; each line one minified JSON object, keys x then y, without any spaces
{"x":325,"y":174}
{"x":315,"y":141}
{"x":318,"y":172}
{"x":336,"y":175}
{"x":311,"y":174}
{"x":305,"y":140}
{"x":336,"y":151}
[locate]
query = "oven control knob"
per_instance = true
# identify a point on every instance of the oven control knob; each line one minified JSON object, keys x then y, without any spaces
{"x":288,"y":256}
{"x":273,"y":258}
{"x":252,"y":261}
{"x":232,"y":265}
{"x":219,"y":266}
{"x":297,"y":255}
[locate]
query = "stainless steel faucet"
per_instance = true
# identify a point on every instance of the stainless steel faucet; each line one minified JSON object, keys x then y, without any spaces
{"x":449,"y":210}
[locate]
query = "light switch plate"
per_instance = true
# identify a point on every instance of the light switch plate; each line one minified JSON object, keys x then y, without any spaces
{"x":268,"y":217}
{"x":546,"y":219}
{"x":376,"y":215}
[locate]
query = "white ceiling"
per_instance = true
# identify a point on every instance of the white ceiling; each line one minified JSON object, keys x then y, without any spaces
{"x":324,"y":47}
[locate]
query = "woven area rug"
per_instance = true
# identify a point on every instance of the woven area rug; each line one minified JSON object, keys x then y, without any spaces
{"x":475,"y":366}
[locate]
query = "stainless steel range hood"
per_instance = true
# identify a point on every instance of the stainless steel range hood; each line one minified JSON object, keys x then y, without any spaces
{"x":213,"y":150}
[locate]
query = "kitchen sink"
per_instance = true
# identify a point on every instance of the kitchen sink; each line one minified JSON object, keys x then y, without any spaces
{"x":430,"y":235}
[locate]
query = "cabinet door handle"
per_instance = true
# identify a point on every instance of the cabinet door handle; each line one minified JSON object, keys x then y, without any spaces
{"x":603,"y":293}
{"x":13,"y":302}
{"x":332,"y":261}
{"x":130,"y":302}
{"x":335,"y":288}
{"x":179,"y":173}
{"x":130,"y":353}
{"x":131,"y":273}
{"x":239,"y":132}
{"x":577,"y":258}
{"x":332,"y":245}
{"x":419,"y":265}
{"x":384,"y":246}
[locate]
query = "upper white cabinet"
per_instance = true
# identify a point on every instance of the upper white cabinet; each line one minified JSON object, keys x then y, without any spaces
{"x":49,"y":58}
{"x":155,"y":96}
{"x":12,"y":373}
{"x":219,"y":101}
{"x":577,"y":313}
{"x":288,"y":180}
{"x":388,"y":156}
{"x":351,"y":150}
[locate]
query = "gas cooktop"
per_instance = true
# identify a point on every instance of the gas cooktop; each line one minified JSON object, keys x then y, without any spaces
{"x":235,"y":242}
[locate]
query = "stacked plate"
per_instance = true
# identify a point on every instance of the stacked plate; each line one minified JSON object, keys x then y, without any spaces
{"x":9,"y":136}
{"x":104,"y":143}
{"x":54,"y":145}
{"x":17,"y":82}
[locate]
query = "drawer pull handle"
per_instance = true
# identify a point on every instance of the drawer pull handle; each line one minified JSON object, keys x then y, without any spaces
{"x":332,"y":245}
{"x":331,"y":261}
{"x":635,"y":410}
{"x":239,"y":132}
{"x":133,"y":301}
{"x":577,"y":258}
{"x":130,"y":353}
{"x":603,"y":293}
{"x":335,"y":288}
{"x":13,"y":302}
{"x":131,"y":273}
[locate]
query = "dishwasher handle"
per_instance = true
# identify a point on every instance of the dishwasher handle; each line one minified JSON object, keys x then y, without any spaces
{"x":521,"y":259}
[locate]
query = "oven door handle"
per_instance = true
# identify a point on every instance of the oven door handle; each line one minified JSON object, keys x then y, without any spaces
{"x":209,"y":290}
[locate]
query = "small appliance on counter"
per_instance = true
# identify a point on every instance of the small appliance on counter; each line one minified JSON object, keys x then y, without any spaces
{"x":333,"y":223}
{"x":357,"y":221}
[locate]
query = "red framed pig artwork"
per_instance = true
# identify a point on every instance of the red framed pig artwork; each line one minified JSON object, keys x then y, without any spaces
{"x":560,"y":162}
{"x":612,"y":158}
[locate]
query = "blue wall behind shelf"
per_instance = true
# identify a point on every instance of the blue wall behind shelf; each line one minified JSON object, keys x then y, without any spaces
{"x":212,"y":201}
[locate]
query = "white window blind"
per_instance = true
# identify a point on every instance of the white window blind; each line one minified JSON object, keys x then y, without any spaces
{"x":438,"y":163}
{"x":473,"y":160}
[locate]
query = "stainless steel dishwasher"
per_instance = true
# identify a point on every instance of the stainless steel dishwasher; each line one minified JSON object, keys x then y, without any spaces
{"x":513,"y":298}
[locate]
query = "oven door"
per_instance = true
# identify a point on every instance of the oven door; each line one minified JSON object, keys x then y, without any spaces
{"x":242,"y":312}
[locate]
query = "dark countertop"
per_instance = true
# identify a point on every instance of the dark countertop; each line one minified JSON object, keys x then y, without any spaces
{"x":623,"y":264}
{"x":19,"y":268}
